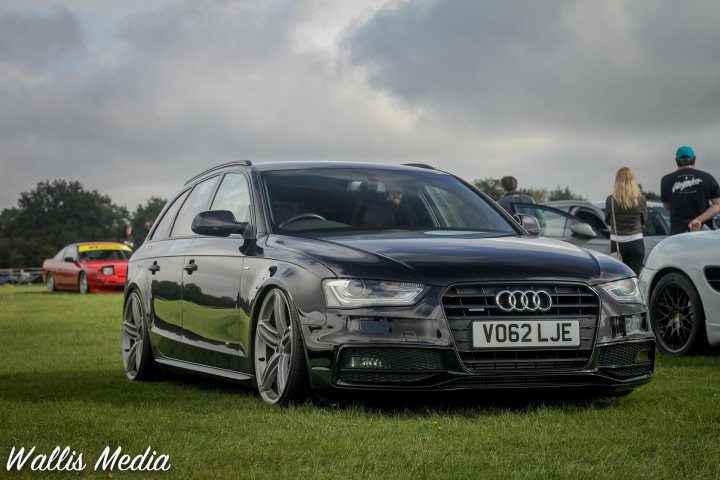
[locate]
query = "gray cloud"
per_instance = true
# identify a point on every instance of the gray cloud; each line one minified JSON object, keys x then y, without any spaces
{"x":39,"y":42}
{"x":552,"y":65}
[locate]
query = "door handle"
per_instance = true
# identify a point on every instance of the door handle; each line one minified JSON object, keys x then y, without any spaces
{"x":154,"y":268}
{"x":190,"y":267}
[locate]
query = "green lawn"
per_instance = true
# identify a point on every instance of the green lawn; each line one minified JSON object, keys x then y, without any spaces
{"x":61,"y":383}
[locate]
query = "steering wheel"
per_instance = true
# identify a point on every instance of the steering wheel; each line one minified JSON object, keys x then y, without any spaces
{"x":302,"y":216}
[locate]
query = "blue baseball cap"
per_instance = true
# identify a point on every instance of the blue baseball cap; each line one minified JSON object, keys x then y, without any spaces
{"x":685,"y":155}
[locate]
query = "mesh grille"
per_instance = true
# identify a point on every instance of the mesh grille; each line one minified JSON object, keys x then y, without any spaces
{"x":404,"y":365}
{"x":465,"y":304}
{"x":625,"y":354}
{"x":381,"y":377}
{"x":712,"y":274}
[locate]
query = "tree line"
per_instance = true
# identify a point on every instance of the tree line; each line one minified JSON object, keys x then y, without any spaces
{"x":58,"y":212}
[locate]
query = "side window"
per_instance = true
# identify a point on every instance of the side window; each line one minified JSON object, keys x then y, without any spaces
{"x":71,"y":252}
{"x":196,"y":202}
{"x":60,"y":255}
{"x":162,"y":230}
{"x":234,"y":195}
{"x":552,"y":223}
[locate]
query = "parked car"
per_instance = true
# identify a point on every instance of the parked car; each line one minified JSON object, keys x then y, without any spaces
{"x":568,"y":220}
{"x":681,"y":279}
{"x":302,"y":276}
{"x":87,"y":267}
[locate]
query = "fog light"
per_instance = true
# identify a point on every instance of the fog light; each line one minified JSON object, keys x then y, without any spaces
{"x":108,"y":270}
{"x":366,"y":362}
{"x":634,"y":324}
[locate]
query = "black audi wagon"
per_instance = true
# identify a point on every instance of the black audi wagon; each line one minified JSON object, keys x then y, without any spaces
{"x":297,"y":277}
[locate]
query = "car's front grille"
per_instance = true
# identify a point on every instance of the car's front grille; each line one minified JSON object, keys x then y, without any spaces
{"x":466,"y":304}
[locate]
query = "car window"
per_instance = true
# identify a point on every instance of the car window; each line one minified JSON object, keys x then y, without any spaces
{"x":71,"y":252}
{"x":104,"y":255}
{"x":372,"y":200}
{"x":60,"y":255}
{"x":196,"y":202}
{"x":553,"y":223}
{"x":162,"y":228}
{"x":233,"y":195}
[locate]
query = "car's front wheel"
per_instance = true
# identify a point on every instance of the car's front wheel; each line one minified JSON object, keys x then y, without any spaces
{"x":137,"y":353}
{"x":83,"y":283}
{"x":50,"y":282}
{"x":280,"y":370}
{"x":678,"y":319}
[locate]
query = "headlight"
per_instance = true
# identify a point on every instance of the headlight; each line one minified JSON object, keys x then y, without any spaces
{"x":352,"y":293}
{"x":625,"y":291}
{"x":108,"y":270}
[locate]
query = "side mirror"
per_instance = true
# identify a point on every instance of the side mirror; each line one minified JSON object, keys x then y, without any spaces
{"x":217,"y":223}
{"x":582,"y":229}
{"x":69,"y":260}
{"x":529,"y":223}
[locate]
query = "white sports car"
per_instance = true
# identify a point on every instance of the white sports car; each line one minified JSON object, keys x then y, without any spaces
{"x":681,"y":281}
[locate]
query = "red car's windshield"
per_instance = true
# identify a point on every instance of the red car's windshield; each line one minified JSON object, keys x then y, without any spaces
{"x":97,"y":254}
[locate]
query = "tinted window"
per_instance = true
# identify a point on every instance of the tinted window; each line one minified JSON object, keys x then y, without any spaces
{"x":196,"y":202}
{"x":376,"y":200}
{"x":233,"y":195}
{"x":162,"y":230}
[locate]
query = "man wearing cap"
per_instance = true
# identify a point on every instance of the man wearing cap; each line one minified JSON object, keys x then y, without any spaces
{"x":691,"y":195}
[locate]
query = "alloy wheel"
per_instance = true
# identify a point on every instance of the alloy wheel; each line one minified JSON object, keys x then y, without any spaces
{"x":50,"y":282}
{"x":273,"y":347}
{"x":133,"y":337}
{"x":83,"y":283}
{"x":677,"y":316}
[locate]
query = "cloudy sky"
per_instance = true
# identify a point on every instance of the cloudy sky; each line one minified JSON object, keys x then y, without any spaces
{"x":133,"y":97}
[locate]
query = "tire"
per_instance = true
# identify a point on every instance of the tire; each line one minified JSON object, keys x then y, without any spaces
{"x":83,"y":283}
{"x":279,"y":356}
{"x":677,"y":316}
{"x":50,"y":282}
{"x":138,"y":360}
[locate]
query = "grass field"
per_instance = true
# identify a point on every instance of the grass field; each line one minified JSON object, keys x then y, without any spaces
{"x":62,"y":383}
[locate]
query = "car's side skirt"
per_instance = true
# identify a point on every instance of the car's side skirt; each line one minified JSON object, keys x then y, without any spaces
{"x":204,"y":370}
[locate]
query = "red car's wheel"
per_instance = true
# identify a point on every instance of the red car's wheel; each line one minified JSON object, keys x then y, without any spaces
{"x":50,"y":282}
{"x":83,"y":283}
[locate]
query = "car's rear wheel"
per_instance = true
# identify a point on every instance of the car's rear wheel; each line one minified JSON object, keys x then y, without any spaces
{"x":138,"y":360}
{"x":83,"y":283}
{"x":50,"y":282}
{"x":279,"y":357}
{"x":678,"y":319}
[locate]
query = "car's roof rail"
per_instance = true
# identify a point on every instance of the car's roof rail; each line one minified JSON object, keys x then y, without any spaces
{"x":420,"y":165}
{"x":238,"y":163}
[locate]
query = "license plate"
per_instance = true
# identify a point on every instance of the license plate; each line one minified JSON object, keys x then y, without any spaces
{"x":528,"y":333}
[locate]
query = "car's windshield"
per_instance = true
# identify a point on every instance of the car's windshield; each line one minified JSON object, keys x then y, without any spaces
{"x":87,"y":253}
{"x":376,"y":200}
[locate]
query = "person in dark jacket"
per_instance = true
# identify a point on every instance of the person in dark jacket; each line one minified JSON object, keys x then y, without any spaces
{"x":691,"y":195}
{"x":127,"y":238}
{"x":511,"y":195}
{"x":625,"y":214}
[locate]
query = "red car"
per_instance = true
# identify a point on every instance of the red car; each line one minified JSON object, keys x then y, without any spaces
{"x":86,"y":267}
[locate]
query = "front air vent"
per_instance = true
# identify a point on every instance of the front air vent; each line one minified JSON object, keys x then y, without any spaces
{"x":712,"y":274}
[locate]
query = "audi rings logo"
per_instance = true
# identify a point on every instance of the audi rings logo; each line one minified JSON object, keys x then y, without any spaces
{"x":523,"y":301}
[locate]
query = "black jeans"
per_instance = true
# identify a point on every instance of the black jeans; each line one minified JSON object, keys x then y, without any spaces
{"x":633,"y":253}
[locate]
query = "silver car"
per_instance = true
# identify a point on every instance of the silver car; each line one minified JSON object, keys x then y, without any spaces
{"x":681,"y":280}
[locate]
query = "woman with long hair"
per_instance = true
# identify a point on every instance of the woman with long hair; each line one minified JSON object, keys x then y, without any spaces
{"x":625,"y":214}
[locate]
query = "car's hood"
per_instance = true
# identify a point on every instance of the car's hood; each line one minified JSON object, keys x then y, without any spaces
{"x":441,"y":260}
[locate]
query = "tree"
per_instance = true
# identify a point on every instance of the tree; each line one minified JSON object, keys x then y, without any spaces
{"x":52,"y":215}
{"x":490,"y":186}
{"x":144,"y":214}
{"x":563,"y":194}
